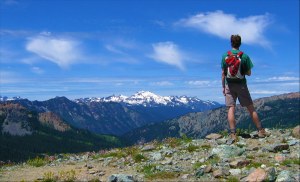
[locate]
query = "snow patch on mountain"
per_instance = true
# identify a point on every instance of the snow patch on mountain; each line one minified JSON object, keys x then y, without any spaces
{"x":5,"y":98}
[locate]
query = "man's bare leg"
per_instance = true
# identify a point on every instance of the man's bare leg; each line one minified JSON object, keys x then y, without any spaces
{"x":254,"y":116}
{"x":261,"y":131}
{"x":231,"y":118}
{"x":232,"y":123}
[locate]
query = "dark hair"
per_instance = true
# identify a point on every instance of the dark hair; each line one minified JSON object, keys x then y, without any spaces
{"x":236,"y":41}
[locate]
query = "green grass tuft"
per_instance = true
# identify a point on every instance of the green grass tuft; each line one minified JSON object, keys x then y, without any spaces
{"x":37,"y":162}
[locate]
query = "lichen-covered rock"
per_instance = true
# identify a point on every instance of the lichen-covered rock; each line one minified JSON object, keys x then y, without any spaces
{"x":120,"y":178}
{"x":226,"y":151}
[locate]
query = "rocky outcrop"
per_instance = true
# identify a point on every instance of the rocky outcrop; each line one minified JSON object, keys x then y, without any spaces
{"x":52,"y":120}
{"x":276,"y":111}
{"x":15,"y":120}
{"x":179,"y":159}
{"x":296,"y":132}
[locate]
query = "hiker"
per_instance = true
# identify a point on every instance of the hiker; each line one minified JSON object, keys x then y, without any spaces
{"x":235,"y":65}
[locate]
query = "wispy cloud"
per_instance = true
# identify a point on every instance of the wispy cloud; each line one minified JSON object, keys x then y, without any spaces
{"x":7,"y":77}
{"x":10,"y":2}
{"x":218,"y":23}
{"x":168,"y":52}
{"x":199,"y":83}
{"x":203,"y":83}
{"x":162,"y":83}
{"x":37,"y":70}
{"x":61,"y":51}
{"x":277,"y":80}
{"x":113,"y":49}
{"x":283,"y":78}
{"x":266,"y":92}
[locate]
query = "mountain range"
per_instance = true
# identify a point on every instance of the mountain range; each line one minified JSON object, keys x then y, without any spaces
{"x":276,"y":111}
{"x":30,"y":128}
{"x":27,"y":134}
{"x":116,"y":115}
{"x":149,"y":99}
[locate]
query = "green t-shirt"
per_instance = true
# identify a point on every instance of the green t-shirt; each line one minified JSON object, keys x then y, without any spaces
{"x":246,"y":61}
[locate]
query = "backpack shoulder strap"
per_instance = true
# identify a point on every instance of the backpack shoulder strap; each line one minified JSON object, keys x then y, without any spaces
{"x":229,"y":53}
{"x":240,"y":53}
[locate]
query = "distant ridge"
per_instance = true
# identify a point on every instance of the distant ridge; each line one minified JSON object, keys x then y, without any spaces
{"x":117,"y":114}
{"x":275,"y":111}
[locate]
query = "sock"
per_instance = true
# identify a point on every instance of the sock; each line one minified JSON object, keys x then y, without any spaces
{"x":232,"y":130}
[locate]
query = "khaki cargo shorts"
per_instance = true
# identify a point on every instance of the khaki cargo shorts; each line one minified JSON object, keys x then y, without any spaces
{"x":239,"y":91}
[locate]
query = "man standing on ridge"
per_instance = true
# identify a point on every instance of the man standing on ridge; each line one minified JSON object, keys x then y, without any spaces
{"x":235,"y":65}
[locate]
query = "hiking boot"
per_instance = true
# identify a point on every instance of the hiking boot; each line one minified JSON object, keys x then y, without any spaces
{"x":233,"y":136}
{"x":262,"y":133}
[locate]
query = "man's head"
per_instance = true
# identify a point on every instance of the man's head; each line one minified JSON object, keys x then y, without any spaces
{"x":236,"y":41}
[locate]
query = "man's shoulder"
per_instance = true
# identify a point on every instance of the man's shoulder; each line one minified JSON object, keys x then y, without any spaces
{"x":245,"y":56}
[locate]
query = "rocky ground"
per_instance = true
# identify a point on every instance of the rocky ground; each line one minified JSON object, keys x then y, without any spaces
{"x":215,"y":158}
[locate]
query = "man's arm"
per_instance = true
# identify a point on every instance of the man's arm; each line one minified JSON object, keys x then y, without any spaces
{"x":223,"y":81}
{"x":248,"y":72}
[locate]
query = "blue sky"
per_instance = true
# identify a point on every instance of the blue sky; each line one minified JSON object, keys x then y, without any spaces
{"x":89,"y":48}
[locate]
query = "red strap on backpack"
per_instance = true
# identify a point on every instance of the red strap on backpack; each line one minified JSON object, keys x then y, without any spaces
{"x":233,"y":63}
{"x":239,"y":53}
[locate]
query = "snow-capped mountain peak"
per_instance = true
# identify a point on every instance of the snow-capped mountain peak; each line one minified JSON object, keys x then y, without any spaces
{"x":5,"y":98}
{"x":113,"y":98}
{"x":147,"y":98}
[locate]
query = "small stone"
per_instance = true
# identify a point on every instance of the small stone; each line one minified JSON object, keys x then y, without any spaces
{"x":148,"y":147}
{"x":296,"y":132}
{"x":93,"y":172}
{"x":168,"y":161}
{"x":263,"y":166}
{"x":230,"y":141}
{"x":293,"y":142}
{"x":218,"y":173}
{"x":285,"y":151}
{"x":156,"y":156}
{"x":239,"y":163}
{"x":278,"y":147}
{"x":252,"y":148}
{"x":101,"y":173}
{"x":213,"y":136}
{"x":202,"y":160}
{"x":284,"y":176}
{"x":226,"y":151}
{"x":90,"y":166}
{"x":271,"y":174}
{"x":258,"y":175}
{"x":235,"y":172}
{"x":185,"y":176}
{"x":120,"y":177}
{"x":208,"y":169}
{"x":199,"y":172}
{"x":279,"y":158}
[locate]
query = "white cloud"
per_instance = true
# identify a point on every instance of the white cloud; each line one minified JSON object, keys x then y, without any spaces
{"x":266,"y":92}
{"x":168,"y":52}
{"x":10,"y":2}
{"x":283,"y":78}
{"x":199,"y":83}
{"x":223,"y":25}
{"x":37,"y":70}
{"x":113,"y":49}
{"x":63,"y":52}
{"x":162,"y":83}
{"x":8,"y":77}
